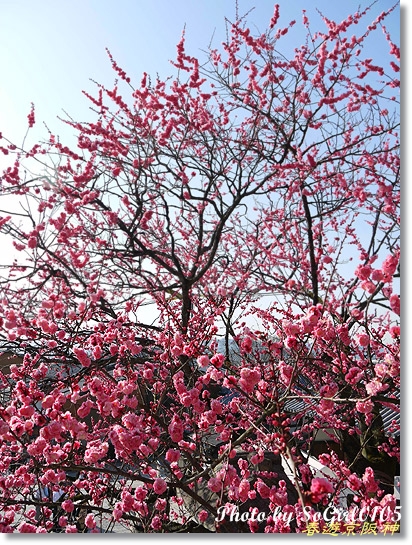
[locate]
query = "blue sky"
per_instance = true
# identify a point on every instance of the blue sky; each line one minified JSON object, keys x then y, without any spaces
{"x":50,"y":49}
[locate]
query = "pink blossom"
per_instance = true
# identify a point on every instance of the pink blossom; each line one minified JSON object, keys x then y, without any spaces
{"x":140,"y":493}
{"x":148,"y":374}
{"x":280,"y":496}
{"x":52,"y":431}
{"x":369,"y":480}
{"x":126,"y":387}
{"x":147,"y":216}
{"x":395,"y":304}
{"x":363,"y":272}
{"x":389,"y":265}
{"x":4,"y":427}
{"x":249,"y":378}
{"x":354,"y":482}
{"x":27,"y":528}
{"x":26,"y":410}
{"x":176,"y":351}
{"x":38,"y":447}
{"x":247,"y":344}
{"x":213,"y":195}
{"x":388,"y":502}
{"x":63,"y":521}
{"x":319,"y":488}
{"x":47,"y":402}
{"x":290,"y":328}
{"x":31,"y":116}
{"x":214,"y":484}
{"x":89,"y":521}
{"x":216,"y":406}
{"x":381,"y":370}
{"x":161,"y":504}
{"x":275,"y":17}
{"x":329,"y":390}
{"x":218,"y":360}
{"x":117,"y":512}
{"x":377,"y":276}
{"x":95,"y":452}
{"x":215,"y":374}
{"x":97,"y":352}
{"x":113,"y":349}
{"x":203,"y":361}
{"x":228,"y":475}
{"x":128,"y":502}
{"x":175,"y":429}
{"x":363,"y":339}
{"x":364,"y":407}
{"x":156,"y":523}
{"x":68,"y":506}
{"x":257,"y":458}
{"x":354,"y":375}
{"x":291,"y":342}
{"x":375,"y":386}
{"x":395,"y":331}
{"x":357,"y":314}
{"x":285,"y":371}
{"x":368,"y":286}
{"x":50,"y":476}
{"x":326,"y":405}
{"x":179,"y":384}
{"x":178,"y":339}
{"x":82,"y":356}
{"x":32,"y":242}
{"x":176,"y":470}
{"x":203,"y":515}
{"x":343,"y":332}
{"x":85,"y":408}
{"x":243,"y":490}
{"x":159,"y":486}
{"x":172,"y":455}
{"x":263,"y":489}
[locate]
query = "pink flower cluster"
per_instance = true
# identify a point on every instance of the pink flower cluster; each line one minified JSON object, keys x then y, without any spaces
{"x":95,"y":451}
{"x":249,"y":378}
{"x":320,"y":488}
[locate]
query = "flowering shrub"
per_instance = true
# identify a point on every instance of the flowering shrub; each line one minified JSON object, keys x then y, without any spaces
{"x":252,"y":173}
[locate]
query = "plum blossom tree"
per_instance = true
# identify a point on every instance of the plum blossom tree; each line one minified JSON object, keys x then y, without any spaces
{"x":147,"y":385}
